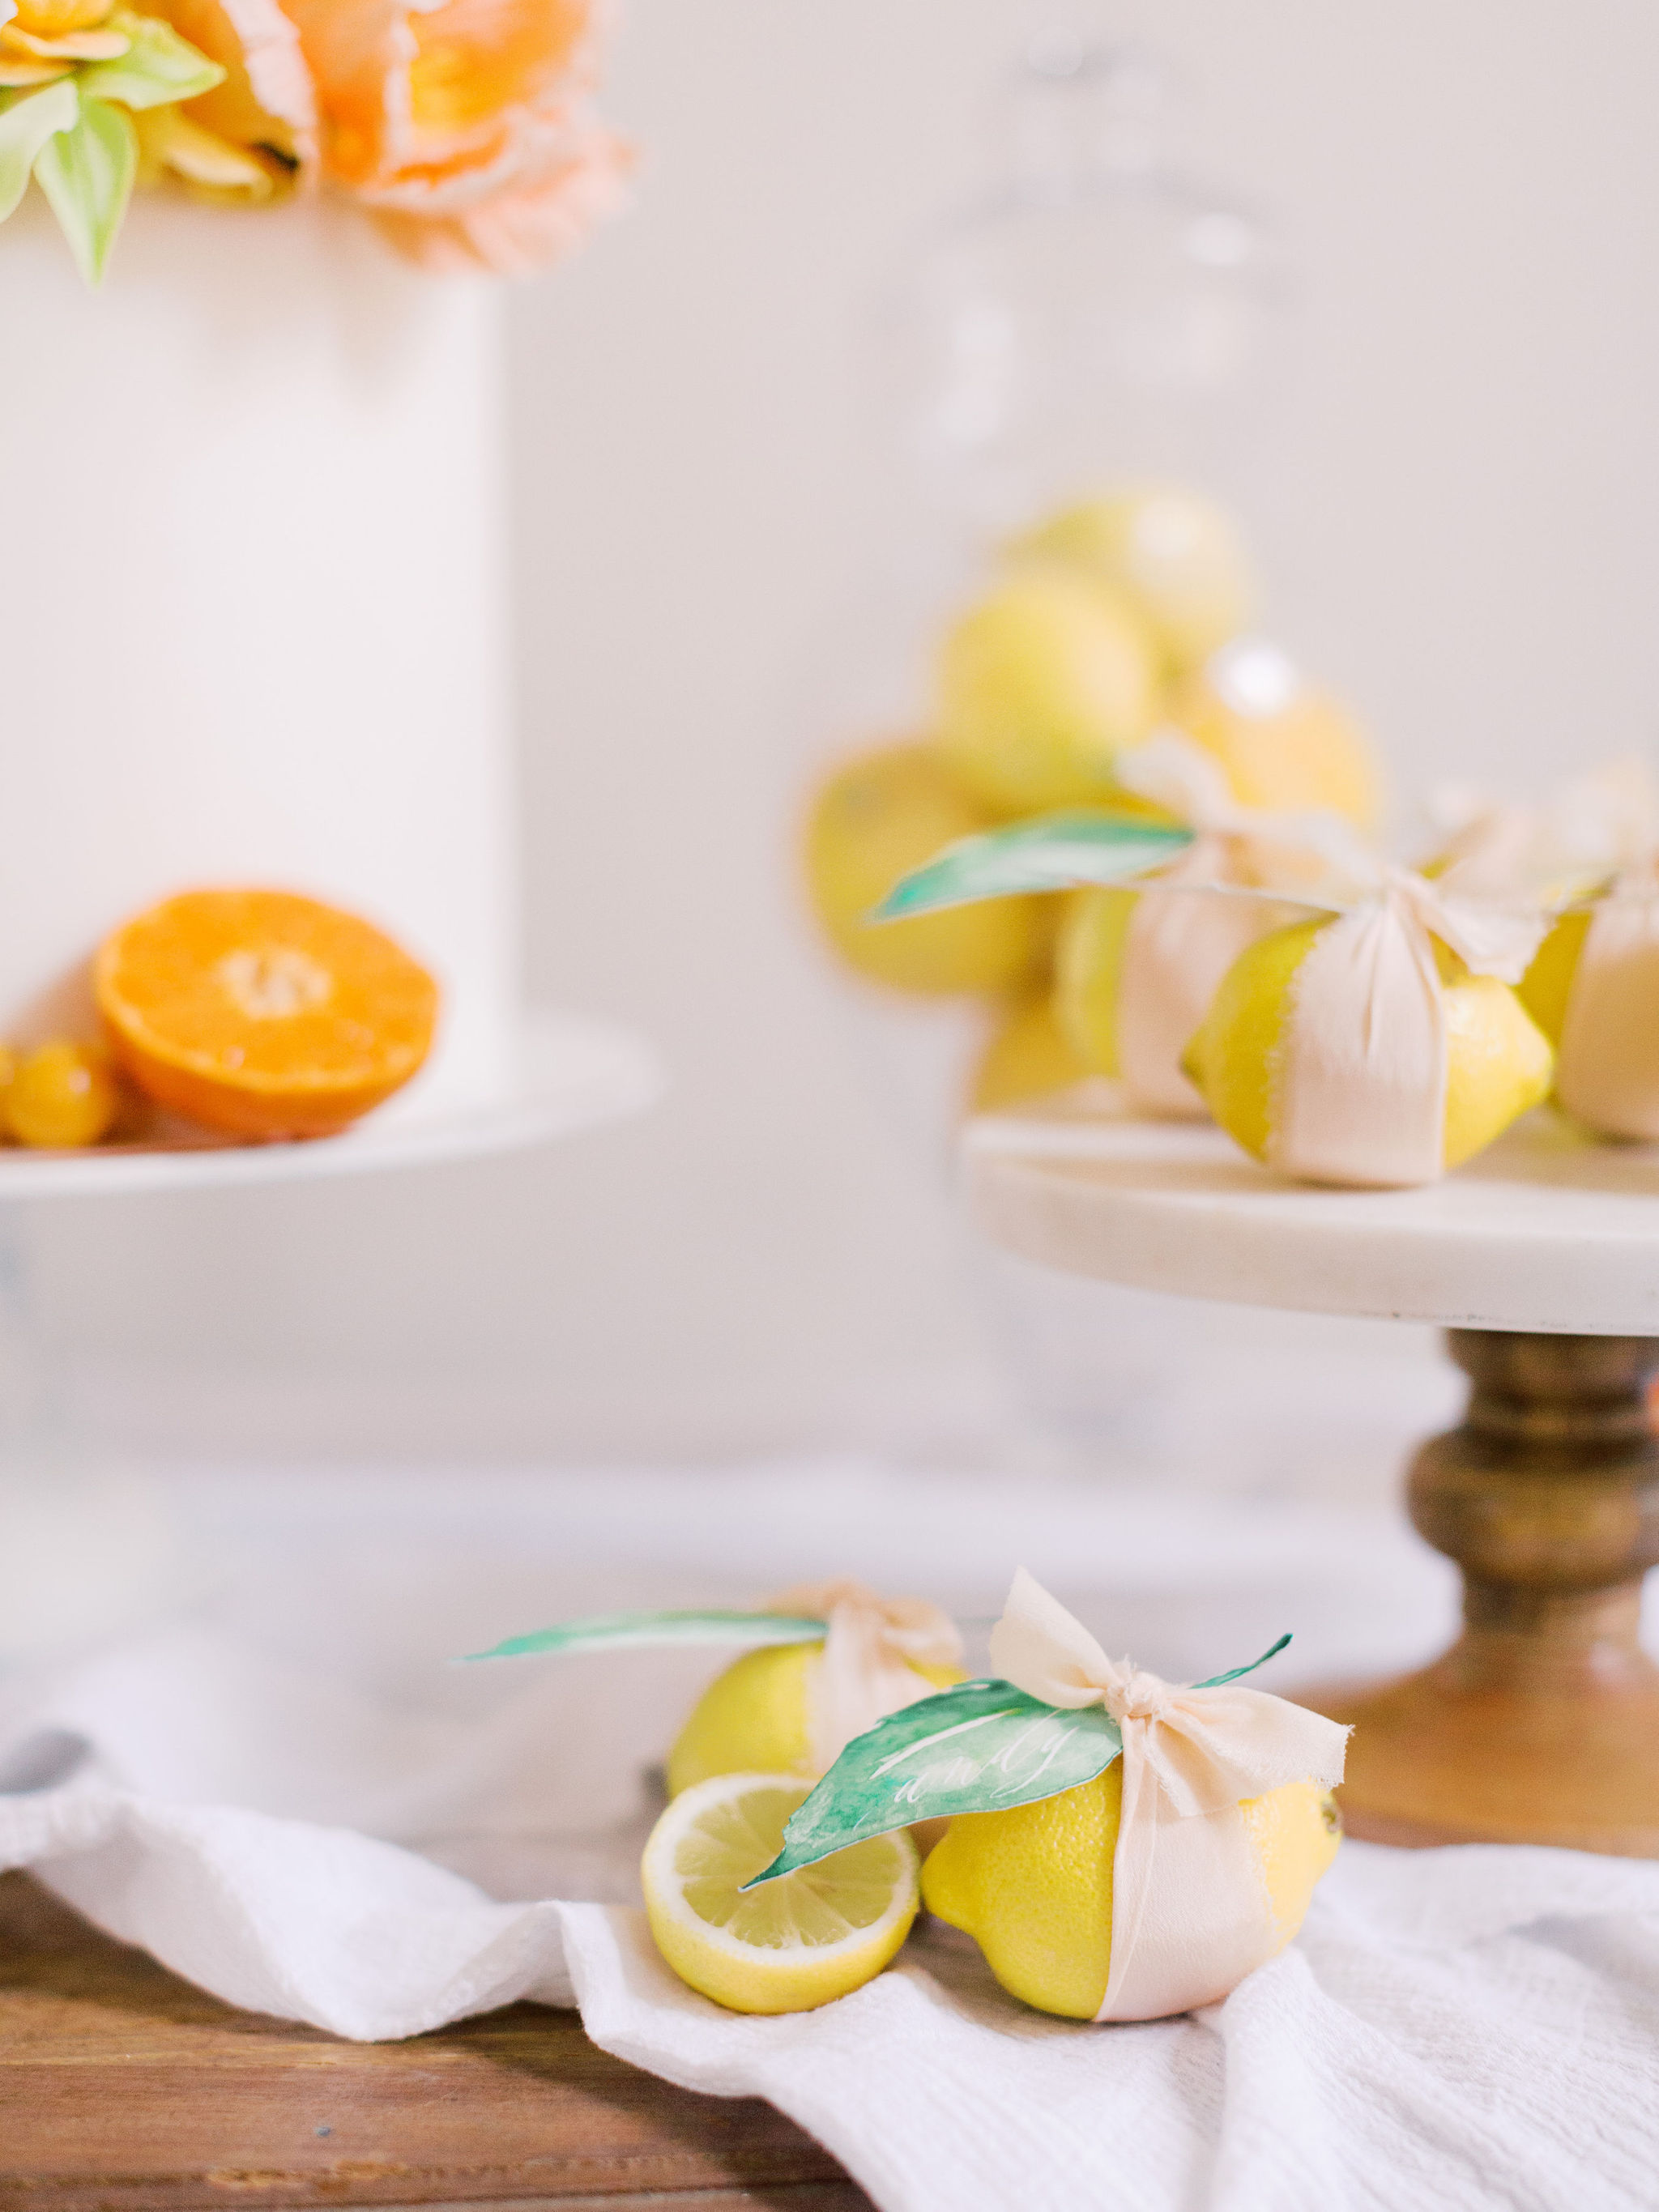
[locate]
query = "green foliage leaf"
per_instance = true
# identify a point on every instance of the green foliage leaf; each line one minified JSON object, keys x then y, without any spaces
{"x":158,"y":68}
{"x":979,"y":1747}
{"x":612,"y":1631}
{"x":87,"y":173}
{"x":24,"y":126}
{"x":1055,"y":852}
{"x":1233,"y":1674}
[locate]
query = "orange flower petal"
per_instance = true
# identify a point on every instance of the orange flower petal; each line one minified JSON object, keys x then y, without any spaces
{"x":267,"y":99}
{"x":431,"y":113}
{"x":516,"y":228}
{"x":475,"y":59}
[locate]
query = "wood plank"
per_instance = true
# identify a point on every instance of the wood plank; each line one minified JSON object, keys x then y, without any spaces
{"x":124,"y":2089}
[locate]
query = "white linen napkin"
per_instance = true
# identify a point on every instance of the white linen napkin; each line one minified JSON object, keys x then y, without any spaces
{"x":261,"y":1795}
{"x":1472,"y":2029}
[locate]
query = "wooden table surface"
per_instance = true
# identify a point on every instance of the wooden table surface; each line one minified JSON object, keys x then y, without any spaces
{"x":123,"y":2089}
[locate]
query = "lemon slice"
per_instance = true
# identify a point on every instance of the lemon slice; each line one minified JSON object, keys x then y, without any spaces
{"x":792,"y":1944}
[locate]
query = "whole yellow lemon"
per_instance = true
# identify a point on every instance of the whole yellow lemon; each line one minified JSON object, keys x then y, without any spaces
{"x":1033,"y":1884}
{"x":1545,"y":987}
{"x":754,"y":1718}
{"x":1607,"y":1068}
{"x":1499,"y":1063}
{"x":1283,"y":744}
{"x":1177,"y":558}
{"x":1041,"y":686}
{"x":1088,"y":973}
{"x":879,"y":816}
{"x":1030,"y":1055}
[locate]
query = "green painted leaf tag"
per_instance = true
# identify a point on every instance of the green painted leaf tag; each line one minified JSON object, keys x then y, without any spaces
{"x":87,"y":173}
{"x":1235,"y":1673}
{"x":976,"y":1748}
{"x":158,"y":68}
{"x":1054,"y":852}
{"x":24,"y":126}
{"x":613,"y":1631}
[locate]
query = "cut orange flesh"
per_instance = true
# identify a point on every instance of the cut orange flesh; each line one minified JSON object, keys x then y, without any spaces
{"x":263,"y":1013}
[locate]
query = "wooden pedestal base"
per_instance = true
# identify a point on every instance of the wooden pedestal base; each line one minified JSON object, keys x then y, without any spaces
{"x":1541,"y":1725}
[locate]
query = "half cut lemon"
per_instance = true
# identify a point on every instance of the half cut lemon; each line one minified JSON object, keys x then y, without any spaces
{"x":792,"y":1944}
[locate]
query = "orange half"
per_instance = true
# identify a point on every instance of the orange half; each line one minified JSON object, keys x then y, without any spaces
{"x":263,"y":1013}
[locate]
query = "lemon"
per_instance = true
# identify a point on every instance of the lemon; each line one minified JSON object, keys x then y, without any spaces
{"x":879,"y":816}
{"x":1033,"y":1884}
{"x":1499,"y":1063}
{"x":1089,"y":974}
{"x":1283,"y":746}
{"x":794,"y":1943}
{"x":753,"y":1718}
{"x":1177,"y":559}
{"x":1041,"y":686}
{"x":1030,"y":1055}
{"x":1543,"y":989}
{"x":1193,"y":941}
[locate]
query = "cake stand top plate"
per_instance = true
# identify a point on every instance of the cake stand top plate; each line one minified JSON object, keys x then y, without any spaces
{"x":572,"y":1074}
{"x":1547,"y":1231}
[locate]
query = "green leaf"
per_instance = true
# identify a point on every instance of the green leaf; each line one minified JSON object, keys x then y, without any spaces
{"x":158,"y":68}
{"x":1055,"y":852}
{"x":1232,"y":1675}
{"x":976,"y":1748}
{"x":24,"y":126}
{"x":86,"y":173}
{"x":612,"y":1631}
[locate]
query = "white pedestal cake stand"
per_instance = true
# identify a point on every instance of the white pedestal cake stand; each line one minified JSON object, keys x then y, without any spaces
{"x":1541,"y":1257}
{"x":85,"y":1550}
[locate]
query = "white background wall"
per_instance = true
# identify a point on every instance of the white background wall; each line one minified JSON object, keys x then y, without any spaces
{"x":1466,"y":539}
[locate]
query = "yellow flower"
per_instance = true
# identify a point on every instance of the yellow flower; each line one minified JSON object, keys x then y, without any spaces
{"x":55,"y":19}
{"x":41,"y":40}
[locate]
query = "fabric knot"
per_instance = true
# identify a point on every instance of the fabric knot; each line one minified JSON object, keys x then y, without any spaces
{"x":1138,"y":1696}
{"x":874,"y":1647}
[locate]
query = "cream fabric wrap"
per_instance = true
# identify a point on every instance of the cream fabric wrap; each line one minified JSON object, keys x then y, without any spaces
{"x":1360,"y":1094}
{"x":1608,"y":1074}
{"x":866,"y":1669}
{"x":1587,"y":830}
{"x":1191,"y":1915}
{"x":1183,"y":937}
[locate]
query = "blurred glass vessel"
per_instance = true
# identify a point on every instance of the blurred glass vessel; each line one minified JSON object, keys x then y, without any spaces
{"x":1094,"y":319}
{"x":1096,"y":315}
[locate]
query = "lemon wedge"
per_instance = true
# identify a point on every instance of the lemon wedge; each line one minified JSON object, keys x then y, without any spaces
{"x":792,"y":1944}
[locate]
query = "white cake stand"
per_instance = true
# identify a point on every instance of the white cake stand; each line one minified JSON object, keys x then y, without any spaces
{"x":85,"y":1550}
{"x":1541,"y":1724}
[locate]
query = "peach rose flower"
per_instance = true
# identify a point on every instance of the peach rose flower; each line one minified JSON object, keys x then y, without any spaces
{"x":467,"y":128}
{"x":263,"y":114}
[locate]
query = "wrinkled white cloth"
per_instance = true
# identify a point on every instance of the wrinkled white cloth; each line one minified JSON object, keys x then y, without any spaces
{"x":1474,"y":2029}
